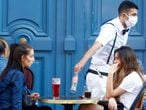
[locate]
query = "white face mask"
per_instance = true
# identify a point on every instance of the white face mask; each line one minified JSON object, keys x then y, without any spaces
{"x":132,"y":20}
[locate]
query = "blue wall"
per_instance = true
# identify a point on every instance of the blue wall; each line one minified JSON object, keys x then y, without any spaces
{"x":60,"y":32}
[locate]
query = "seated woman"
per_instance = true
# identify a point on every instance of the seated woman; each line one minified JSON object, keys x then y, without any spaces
{"x":21,"y":57}
{"x":125,"y":78}
{"x":11,"y":95}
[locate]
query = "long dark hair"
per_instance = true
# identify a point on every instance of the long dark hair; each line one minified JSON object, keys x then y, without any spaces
{"x":129,"y":63}
{"x":14,"y":61}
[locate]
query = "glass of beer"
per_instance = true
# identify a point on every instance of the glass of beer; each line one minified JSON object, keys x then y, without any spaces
{"x":56,"y":87}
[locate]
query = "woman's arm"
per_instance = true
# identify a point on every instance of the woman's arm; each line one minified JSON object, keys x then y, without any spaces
{"x":111,"y":92}
{"x":17,"y":91}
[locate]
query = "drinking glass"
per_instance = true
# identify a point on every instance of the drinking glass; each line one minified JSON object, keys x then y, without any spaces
{"x":56,"y":87}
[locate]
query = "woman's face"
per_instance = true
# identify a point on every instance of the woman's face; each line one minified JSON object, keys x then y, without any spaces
{"x":117,"y":59}
{"x":27,"y":60}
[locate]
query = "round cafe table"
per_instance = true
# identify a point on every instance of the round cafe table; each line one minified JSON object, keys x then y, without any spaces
{"x":69,"y":102}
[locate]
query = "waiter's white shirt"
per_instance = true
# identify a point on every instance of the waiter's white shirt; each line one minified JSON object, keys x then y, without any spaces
{"x":106,"y":38}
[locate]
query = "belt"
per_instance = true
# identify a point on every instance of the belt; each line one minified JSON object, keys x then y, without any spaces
{"x":95,"y":72}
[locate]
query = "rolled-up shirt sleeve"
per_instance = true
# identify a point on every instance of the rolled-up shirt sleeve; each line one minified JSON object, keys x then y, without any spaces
{"x":107,"y":33}
{"x":128,"y":84}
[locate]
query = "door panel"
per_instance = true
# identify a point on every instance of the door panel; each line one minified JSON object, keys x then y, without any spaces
{"x":29,"y":19}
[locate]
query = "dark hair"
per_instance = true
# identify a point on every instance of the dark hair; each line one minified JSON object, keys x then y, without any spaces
{"x":14,"y":61}
{"x":126,"y":5}
{"x":128,"y":59}
{"x":12,"y":49}
{"x":129,"y":63}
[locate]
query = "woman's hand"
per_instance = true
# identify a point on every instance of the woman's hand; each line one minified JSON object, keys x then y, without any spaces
{"x":112,"y":104}
{"x":35,"y":96}
{"x":113,"y":68}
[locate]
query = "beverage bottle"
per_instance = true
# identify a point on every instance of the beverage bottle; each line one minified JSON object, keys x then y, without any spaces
{"x":74,"y":83}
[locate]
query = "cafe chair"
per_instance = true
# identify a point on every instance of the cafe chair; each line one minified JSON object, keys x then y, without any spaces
{"x":137,"y":103}
{"x":29,"y":77}
{"x":139,"y":99}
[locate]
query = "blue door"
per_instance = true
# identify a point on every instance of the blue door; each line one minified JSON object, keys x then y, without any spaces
{"x":61,"y":31}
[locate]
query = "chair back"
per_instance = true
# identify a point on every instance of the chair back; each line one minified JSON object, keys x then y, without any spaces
{"x":139,"y":96}
{"x":29,"y":77}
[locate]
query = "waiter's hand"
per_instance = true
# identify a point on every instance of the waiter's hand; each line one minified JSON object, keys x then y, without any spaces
{"x":78,"y":67}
